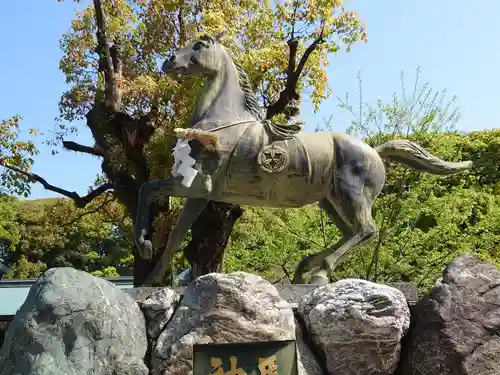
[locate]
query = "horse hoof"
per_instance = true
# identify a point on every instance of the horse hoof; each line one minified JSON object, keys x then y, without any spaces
{"x":319,"y":280}
{"x":144,"y":246}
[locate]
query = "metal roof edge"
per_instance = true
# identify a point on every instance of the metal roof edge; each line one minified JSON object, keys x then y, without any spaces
{"x":22,"y":283}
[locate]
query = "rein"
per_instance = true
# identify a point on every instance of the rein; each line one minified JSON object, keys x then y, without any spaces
{"x":208,"y":138}
{"x":229,"y":125}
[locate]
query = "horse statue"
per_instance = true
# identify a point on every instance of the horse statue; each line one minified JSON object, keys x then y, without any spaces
{"x":230,"y":154}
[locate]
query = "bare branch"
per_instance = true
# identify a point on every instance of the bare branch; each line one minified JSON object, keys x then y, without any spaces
{"x":79,"y":201}
{"x":287,"y":274}
{"x":285,"y":271}
{"x":104,"y":50}
{"x":73,"y":146}
{"x":289,"y":93}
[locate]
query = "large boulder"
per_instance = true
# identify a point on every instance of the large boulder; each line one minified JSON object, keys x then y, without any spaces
{"x":357,"y":326}
{"x":73,"y":323}
{"x":226,"y":308}
{"x":158,"y":309}
{"x":456,"y":328}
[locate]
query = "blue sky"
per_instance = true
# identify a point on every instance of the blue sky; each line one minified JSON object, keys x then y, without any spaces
{"x":453,"y":42}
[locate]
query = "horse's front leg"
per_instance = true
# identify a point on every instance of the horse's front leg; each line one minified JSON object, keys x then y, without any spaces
{"x":190,"y":212}
{"x":150,"y":190}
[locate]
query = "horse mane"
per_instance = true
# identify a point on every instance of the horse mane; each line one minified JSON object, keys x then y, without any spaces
{"x":251,"y":101}
{"x":279,"y":132}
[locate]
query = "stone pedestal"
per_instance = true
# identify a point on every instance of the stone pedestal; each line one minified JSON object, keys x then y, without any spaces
{"x":78,"y":323}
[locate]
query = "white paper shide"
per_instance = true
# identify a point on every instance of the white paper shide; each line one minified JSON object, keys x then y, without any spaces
{"x":183,"y":162}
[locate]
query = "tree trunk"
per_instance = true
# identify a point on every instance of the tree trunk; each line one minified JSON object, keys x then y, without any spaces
{"x":210,"y":234}
{"x":143,"y":267}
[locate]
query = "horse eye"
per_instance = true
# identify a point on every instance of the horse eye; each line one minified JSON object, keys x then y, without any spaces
{"x":198,"y":45}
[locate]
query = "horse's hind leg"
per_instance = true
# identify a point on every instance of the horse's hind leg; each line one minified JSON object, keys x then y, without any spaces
{"x":314,"y":260}
{"x":356,"y":207}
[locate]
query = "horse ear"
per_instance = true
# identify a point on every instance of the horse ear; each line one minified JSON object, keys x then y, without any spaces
{"x":207,"y":38}
{"x":221,"y":35}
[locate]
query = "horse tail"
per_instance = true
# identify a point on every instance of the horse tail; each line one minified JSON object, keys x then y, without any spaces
{"x":413,"y":156}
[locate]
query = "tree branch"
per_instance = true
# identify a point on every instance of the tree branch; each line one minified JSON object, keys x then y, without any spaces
{"x":289,"y":93}
{"x":182,"y":27}
{"x":305,"y":57}
{"x":293,"y":45}
{"x":106,"y":58}
{"x":80,"y":202}
{"x":73,"y":146}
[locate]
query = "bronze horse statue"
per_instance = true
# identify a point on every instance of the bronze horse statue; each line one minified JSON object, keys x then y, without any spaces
{"x":230,"y":154}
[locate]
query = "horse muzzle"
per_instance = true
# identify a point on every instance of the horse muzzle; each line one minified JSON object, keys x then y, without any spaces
{"x":175,"y":71}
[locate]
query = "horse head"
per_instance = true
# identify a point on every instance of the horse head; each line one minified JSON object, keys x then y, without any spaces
{"x":200,"y":57}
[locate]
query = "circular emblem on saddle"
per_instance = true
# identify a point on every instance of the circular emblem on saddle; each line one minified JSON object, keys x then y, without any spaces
{"x":272,"y":159}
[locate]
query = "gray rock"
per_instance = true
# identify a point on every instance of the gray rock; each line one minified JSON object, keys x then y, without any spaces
{"x":456,"y":328}
{"x":141,"y":293}
{"x":158,"y":309}
{"x":217,"y":308}
{"x":307,"y":363}
{"x":357,"y":325}
{"x":73,"y":323}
